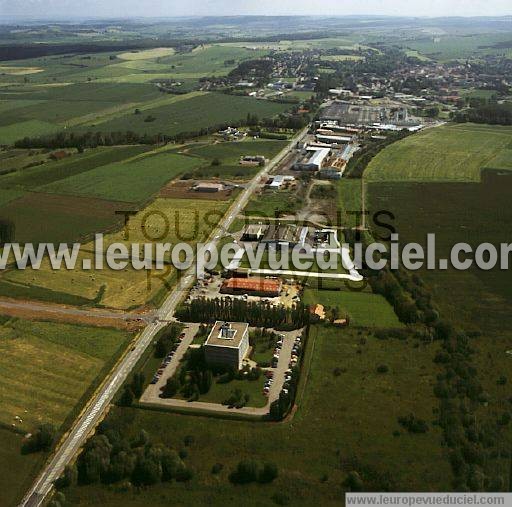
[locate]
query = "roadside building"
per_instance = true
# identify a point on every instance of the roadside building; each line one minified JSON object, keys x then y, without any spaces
{"x":209,"y":187}
{"x":313,"y":162}
{"x":278,"y":180}
{"x":254,"y":232}
{"x":264,"y":287}
{"x":59,"y":155}
{"x":253,"y":160}
{"x":279,"y":236}
{"x":227,"y":344}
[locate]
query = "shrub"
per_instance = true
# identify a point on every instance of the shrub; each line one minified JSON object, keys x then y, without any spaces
{"x":382,"y":368}
{"x":268,"y":473}
{"x":413,"y":424}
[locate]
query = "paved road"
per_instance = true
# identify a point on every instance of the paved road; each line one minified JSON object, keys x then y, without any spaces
{"x":94,"y":411}
{"x":150,"y":396}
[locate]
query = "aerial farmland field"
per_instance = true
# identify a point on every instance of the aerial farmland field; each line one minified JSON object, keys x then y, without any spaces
{"x":133,"y":180}
{"x":448,"y":153}
{"x":47,"y":394}
{"x":196,"y":113}
{"x":185,"y":220}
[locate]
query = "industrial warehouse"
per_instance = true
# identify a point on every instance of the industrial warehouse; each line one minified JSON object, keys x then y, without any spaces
{"x":265,"y":287}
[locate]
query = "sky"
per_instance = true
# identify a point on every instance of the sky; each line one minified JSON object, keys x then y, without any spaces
{"x":156,"y":8}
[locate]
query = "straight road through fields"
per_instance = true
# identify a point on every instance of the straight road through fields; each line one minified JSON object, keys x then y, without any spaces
{"x":94,"y":411}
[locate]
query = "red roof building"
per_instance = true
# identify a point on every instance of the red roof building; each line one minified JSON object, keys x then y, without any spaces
{"x":267,"y":287}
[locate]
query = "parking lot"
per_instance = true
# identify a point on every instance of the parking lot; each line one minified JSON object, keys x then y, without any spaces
{"x":277,"y":375}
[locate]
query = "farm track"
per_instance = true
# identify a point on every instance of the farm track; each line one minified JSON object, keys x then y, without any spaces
{"x":34,"y":310}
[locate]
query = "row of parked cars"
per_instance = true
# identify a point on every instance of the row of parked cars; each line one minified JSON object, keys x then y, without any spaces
{"x":297,"y":347}
{"x":277,"y":351}
{"x":270,"y":380}
{"x":166,"y":361}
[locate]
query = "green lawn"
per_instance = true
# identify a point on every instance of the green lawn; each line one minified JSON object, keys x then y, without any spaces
{"x":447,"y":153}
{"x":272,"y":203}
{"x":220,"y":392}
{"x":230,"y":152}
{"x":365,"y":309}
{"x":349,"y":193}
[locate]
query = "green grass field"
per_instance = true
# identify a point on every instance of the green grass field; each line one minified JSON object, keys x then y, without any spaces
{"x":18,"y":471}
{"x":447,"y":47}
{"x":349,"y":203}
{"x":329,"y":435}
{"x":195,"y":113}
{"x":60,"y":218}
{"x":364,"y":308}
{"x":47,"y":367}
{"x":272,"y":203}
{"x":52,"y":171}
{"x":28,"y":128}
{"x":447,"y":153}
{"x":133,"y":180}
{"x":228,"y":154}
{"x":7,"y":195}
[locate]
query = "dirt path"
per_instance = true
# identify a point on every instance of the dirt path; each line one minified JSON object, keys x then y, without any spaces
{"x":34,"y":310}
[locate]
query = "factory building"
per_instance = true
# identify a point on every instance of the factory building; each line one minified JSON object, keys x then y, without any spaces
{"x":333,"y":139}
{"x":253,"y":160}
{"x":265,"y":287}
{"x":254,"y":232}
{"x":314,"y":162}
{"x":227,"y":344}
{"x":279,"y":236}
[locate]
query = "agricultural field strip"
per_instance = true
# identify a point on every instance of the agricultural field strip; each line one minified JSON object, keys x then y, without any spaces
{"x":113,"y":112}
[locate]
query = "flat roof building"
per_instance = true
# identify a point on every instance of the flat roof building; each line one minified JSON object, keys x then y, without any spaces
{"x":254,"y":232}
{"x":227,"y":344}
{"x":209,"y":187}
{"x":278,"y":180}
{"x":284,"y":235}
{"x":331,"y":139}
{"x":315,"y":161}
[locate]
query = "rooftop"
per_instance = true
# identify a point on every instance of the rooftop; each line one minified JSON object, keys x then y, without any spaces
{"x":227,"y":334}
{"x":254,"y":284}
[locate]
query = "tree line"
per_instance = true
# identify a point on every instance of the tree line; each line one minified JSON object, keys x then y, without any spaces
{"x":235,"y":310}
{"x":489,"y":112}
{"x":360,"y":160}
